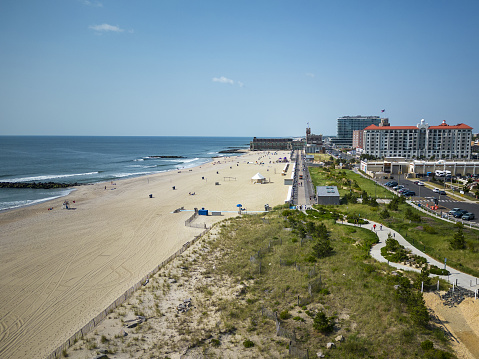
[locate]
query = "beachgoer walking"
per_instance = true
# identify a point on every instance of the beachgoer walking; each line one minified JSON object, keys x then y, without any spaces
{"x":380,"y":227}
{"x":374,"y":227}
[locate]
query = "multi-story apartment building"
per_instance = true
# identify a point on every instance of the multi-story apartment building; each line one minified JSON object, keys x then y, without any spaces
{"x":348,"y":124}
{"x":421,"y":141}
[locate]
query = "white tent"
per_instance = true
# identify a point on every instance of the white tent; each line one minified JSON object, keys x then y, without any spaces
{"x":258,"y":178}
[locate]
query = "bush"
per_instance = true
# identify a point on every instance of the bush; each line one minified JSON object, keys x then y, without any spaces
{"x":248,"y":343}
{"x":427,"y":345}
{"x":215,"y":342}
{"x":322,"y":248}
{"x":458,"y":241}
{"x":384,"y":214}
{"x":438,"y":271}
{"x":322,"y":323}
{"x":284,"y":315}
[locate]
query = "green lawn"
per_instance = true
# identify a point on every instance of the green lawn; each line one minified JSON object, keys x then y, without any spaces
{"x":430,"y":234}
{"x":347,"y":181}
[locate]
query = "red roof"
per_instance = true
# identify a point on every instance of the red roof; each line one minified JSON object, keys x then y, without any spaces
{"x":374,"y":127}
{"x":459,"y":126}
{"x":442,"y":126}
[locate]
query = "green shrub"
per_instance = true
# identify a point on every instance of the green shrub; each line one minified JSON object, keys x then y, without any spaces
{"x":284,"y":315}
{"x":384,"y":214}
{"x":248,"y":343}
{"x":215,"y":342}
{"x":438,"y":271}
{"x":427,"y":345}
{"x":322,"y":323}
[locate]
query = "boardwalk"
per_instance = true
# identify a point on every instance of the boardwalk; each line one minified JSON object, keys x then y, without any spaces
{"x":304,"y":188}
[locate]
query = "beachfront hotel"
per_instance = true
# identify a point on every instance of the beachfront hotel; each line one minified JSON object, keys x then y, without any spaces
{"x":420,"y":141}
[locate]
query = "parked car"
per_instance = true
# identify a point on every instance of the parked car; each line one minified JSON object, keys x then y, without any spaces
{"x":452,"y":211}
{"x":459,"y":213}
{"x":391,"y":184}
{"x":409,"y":193}
{"x":397,"y":188}
{"x":402,"y":190}
{"x":468,"y":216}
{"x":443,"y":192}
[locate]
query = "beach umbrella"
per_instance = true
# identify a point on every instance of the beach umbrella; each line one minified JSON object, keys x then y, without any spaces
{"x":239,"y":205}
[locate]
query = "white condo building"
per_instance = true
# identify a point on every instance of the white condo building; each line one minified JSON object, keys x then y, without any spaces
{"x":421,"y":141}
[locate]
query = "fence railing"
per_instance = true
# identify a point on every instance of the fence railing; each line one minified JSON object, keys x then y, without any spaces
{"x":57,"y":353}
{"x":189,"y":223}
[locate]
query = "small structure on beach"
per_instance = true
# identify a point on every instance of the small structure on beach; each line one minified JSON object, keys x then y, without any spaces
{"x":258,"y":178}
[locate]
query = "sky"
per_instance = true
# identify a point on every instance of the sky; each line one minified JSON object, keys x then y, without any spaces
{"x":264,"y":68}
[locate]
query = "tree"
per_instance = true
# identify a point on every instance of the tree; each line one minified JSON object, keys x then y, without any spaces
{"x":384,"y":214}
{"x":458,"y":241}
{"x":322,"y":248}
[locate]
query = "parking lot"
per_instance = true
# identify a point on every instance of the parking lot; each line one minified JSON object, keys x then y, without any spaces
{"x":428,"y":196}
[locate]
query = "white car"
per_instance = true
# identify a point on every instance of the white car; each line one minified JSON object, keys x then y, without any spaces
{"x":436,"y":190}
{"x":420,"y":183}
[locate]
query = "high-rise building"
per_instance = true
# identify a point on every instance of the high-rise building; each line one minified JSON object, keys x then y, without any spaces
{"x":348,"y":124}
{"x":420,"y":141}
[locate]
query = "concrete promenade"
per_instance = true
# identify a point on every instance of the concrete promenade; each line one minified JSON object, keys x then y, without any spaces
{"x":305,"y":194}
{"x":461,"y":279}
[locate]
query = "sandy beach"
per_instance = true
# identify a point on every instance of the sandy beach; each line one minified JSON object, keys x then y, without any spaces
{"x":60,"y":267}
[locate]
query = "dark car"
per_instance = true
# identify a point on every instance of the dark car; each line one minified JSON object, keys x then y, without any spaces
{"x":391,"y":184}
{"x":409,"y":193}
{"x":468,"y":216}
{"x":443,"y":193}
{"x":460,"y":213}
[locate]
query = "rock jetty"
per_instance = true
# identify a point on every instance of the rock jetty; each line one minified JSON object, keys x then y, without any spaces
{"x":37,"y":185}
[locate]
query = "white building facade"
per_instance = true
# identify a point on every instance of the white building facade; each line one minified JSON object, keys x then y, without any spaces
{"x":421,"y":141}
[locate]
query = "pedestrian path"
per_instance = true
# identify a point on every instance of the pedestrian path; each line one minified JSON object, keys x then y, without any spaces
{"x":458,"y":278}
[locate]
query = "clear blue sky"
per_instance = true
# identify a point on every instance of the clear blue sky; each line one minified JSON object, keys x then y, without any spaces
{"x":234,"y":68}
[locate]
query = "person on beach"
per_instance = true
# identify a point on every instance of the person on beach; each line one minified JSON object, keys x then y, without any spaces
{"x":374,"y":227}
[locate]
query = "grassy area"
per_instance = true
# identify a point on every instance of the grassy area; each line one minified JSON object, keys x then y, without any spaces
{"x":322,"y":157}
{"x":429,"y":234}
{"x":347,"y":181}
{"x":276,"y":259}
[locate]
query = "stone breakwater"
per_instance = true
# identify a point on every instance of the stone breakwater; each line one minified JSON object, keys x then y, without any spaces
{"x":37,"y":185}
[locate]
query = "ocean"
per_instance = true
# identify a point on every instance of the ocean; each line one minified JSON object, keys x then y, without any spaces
{"x":85,"y":159}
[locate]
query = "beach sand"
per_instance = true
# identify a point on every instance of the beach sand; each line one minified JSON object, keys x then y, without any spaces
{"x":60,"y":268}
{"x":462,"y":323}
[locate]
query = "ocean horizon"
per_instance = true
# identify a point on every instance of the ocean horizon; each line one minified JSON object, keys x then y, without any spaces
{"x":93,"y":159}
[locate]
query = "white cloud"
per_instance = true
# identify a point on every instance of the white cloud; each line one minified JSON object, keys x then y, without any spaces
{"x":92,"y":3}
{"x":309,"y":74}
{"x":240,"y":84}
{"x":105,"y":27}
{"x":223,"y":80}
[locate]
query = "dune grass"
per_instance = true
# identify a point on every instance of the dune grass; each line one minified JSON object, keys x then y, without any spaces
{"x":355,"y":291}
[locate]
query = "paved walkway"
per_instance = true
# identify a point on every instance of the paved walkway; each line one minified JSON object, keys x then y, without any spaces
{"x":462,"y":279}
{"x":305,"y":194}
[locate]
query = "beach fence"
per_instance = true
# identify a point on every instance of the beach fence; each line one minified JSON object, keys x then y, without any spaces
{"x":297,"y":352}
{"x":189,"y":222}
{"x":293,"y":348}
{"x":87,"y":328}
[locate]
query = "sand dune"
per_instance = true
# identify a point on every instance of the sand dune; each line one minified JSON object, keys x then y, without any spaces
{"x":60,"y":268}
